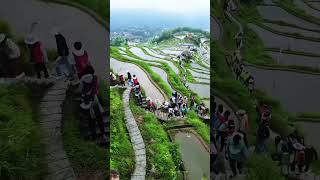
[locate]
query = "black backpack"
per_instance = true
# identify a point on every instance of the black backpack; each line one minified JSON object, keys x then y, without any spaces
{"x":263,"y":132}
{"x":88,"y":90}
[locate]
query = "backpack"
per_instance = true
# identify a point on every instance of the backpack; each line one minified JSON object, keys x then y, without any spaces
{"x":263,"y":132}
{"x":301,"y":157}
{"x":88,"y":90}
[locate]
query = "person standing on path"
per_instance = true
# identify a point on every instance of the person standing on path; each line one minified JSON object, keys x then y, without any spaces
{"x":63,"y":52}
{"x":243,"y":124}
{"x":81,"y":58}
{"x":263,"y":134}
{"x":38,"y":55}
{"x":130,"y":82}
{"x":236,"y":151}
{"x":10,"y":64}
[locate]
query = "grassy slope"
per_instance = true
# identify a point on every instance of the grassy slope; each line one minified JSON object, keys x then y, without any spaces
{"x":161,"y":153}
{"x":86,"y":157}
{"x":121,"y":151}
{"x":21,"y":152}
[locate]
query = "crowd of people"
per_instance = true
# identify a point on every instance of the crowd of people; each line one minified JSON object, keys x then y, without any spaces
{"x":71,"y":66}
{"x":228,"y":140}
{"x":177,"y":106}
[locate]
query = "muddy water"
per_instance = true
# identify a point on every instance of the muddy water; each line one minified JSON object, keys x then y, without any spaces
{"x":196,"y":65}
{"x":149,"y":88}
{"x":302,"y":5}
{"x":203,"y":90}
{"x":154,"y":53}
{"x":292,"y":30}
{"x":297,"y":92}
{"x":311,"y":133}
{"x":198,"y":74}
{"x":272,"y":40}
{"x":138,"y":52}
{"x":149,"y":62}
{"x":162,"y":74}
{"x":274,"y":13}
{"x":291,"y":59}
{"x":194,"y":155}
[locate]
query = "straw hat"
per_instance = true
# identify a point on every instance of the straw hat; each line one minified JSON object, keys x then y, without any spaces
{"x":30,"y":39}
{"x":298,"y":146}
{"x":86,"y":106}
{"x":241,"y":112}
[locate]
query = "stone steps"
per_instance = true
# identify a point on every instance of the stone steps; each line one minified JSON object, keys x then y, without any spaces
{"x":136,"y":139}
{"x":59,"y":167}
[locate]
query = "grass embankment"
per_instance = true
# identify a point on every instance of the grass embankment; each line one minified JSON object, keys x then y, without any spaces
{"x":87,"y":158}
{"x":164,"y":159}
{"x":174,"y":80}
{"x":201,"y":128}
{"x":290,"y":7}
{"x":254,"y":48}
{"x":21,"y":154}
{"x":121,"y":151}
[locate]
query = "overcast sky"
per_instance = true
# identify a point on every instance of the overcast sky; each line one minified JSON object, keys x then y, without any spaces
{"x":174,"y":6}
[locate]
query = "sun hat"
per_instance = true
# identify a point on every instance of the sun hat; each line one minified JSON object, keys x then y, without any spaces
{"x":298,"y":146}
{"x":30,"y":39}
{"x":2,"y":37}
{"x":241,"y":112}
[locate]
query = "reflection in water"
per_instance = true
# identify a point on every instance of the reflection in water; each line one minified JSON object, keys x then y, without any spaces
{"x":195,"y":157}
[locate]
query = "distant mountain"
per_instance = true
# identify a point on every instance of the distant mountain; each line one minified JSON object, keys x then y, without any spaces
{"x":149,"y":18}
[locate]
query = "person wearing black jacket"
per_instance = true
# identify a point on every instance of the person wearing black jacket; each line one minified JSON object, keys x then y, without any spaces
{"x":63,"y":64}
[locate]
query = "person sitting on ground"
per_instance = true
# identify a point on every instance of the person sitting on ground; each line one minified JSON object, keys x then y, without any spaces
{"x":192,"y":101}
{"x":38,"y":55}
{"x":63,"y":62}
{"x":10,"y":62}
{"x":81,"y":58}
{"x":236,"y":151}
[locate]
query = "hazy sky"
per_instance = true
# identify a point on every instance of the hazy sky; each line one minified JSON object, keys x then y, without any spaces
{"x":176,"y":6}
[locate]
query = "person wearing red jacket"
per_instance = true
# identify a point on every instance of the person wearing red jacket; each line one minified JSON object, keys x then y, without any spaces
{"x":81,"y":59}
{"x":38,"y":55}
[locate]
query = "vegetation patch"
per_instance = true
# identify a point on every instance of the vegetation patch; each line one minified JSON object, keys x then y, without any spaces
{"x":87,"y":158}
{"x":21,"y":154}
{"x":121,"y":151}
{"x":164,"y":159}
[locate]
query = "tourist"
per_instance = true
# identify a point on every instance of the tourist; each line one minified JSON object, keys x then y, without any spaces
{"x":184,"y":110}
{"x":114,"y":175}
{"x":10,"y":64}
{"x":38,"y":55}
{"x":113,"y":79}
{"x":222,"y":134}
{"x":311,"y":155}
{"x":236,"y":151}
{"x":176,"y":111}
{"x":130,"y":82}
{"x":263,"y":134}
{"x":243,"y":124}
{"x":219,"y":167}
{"x":81,"y":58}
{"x":135,"y":80}
{"x":63,"y":52}
{"x":192,"y":101}
{"x":89,"y":85}
{"x":122,"y":80}
{"x":170,"y":112}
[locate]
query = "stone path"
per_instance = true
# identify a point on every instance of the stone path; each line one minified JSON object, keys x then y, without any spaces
{"x":136,"y":139}
{"x":59,"y":167}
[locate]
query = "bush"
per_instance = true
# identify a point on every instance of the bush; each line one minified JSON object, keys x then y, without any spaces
{"x":263,"y":168}
{"x":21,"y":152}
{"x":161,"y":153}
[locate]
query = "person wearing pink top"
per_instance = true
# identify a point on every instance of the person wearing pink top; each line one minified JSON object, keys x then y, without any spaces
{"x":81,"y":59}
